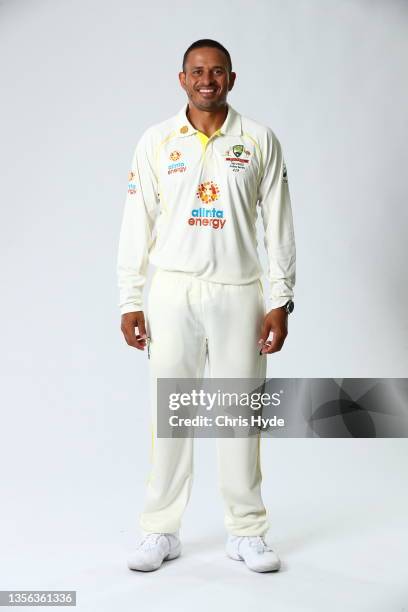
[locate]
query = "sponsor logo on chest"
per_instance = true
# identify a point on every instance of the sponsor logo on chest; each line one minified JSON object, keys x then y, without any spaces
{"x":176,"y":166}
{"x":207,"y":215}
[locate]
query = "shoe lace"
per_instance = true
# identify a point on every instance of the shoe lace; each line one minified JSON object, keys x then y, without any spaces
{"x":149,"y":541}
{"x":259,"y":543}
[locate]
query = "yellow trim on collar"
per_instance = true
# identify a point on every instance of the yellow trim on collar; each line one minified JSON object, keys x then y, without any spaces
{"x":231,"y":126}
{"x":204,"y":138}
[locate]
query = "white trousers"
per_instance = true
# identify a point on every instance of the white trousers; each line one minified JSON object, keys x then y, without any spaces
{"x":188,"y":321}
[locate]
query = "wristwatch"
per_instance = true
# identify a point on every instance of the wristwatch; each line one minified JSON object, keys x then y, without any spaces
{"x":289,"y":306}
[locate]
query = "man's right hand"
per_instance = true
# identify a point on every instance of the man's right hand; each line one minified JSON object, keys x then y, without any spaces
{"x":129,"y":322}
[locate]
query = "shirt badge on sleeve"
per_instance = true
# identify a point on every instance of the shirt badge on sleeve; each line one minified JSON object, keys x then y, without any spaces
{"x":284,"y":174}
{"x":131,"y":183}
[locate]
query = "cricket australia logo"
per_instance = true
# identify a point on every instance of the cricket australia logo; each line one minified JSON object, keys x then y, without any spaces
{"x":237,"y":158}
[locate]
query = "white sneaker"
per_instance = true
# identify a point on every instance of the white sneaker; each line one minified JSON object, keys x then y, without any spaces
{"x":153,"y":549}
{"x":257,"y":555}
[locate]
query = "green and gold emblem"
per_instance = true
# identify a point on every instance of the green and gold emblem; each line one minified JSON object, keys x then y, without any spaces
{"x":238,"y":150}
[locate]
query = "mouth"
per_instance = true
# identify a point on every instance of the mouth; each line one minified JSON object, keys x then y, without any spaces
{"x":207,"y":92}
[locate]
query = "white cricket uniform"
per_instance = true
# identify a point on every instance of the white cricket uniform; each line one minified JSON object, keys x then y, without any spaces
{"x":191,"y":210}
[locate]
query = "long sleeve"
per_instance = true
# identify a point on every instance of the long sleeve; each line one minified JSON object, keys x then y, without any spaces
{"x":276,"y":211}
{"x":136,"y":233}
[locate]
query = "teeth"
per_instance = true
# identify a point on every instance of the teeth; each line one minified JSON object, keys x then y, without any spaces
{"x":206,"y":90}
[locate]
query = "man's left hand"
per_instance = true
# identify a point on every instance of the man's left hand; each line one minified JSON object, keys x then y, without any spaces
{"x":276,"y":321}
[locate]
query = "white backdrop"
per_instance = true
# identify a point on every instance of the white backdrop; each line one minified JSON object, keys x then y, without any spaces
{"x":81,"y":81}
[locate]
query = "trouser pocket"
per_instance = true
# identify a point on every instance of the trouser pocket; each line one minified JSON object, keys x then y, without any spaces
{"x":261,"y":295}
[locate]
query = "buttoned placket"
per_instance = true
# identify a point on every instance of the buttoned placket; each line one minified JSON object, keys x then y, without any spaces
{"x":208,"y":146}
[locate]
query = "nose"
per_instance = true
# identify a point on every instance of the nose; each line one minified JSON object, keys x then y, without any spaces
{"x":206,"y":78}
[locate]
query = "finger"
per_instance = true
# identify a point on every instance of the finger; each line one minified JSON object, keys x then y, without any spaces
{"x":265,"y":347}
{"x":275,"y":344}
{"x":132,"y":339}
{"x":141,"y":325}
{"x":265,"y":329}
{"x":141,"y":342}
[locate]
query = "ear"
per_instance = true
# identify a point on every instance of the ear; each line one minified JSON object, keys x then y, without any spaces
{"x":233,"y":76}
{"x":182,"y":79}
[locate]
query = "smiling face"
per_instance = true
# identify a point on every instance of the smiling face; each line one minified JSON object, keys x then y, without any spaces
{"x":207,"y":79}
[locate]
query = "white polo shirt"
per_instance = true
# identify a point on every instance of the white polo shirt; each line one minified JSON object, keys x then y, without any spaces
{"x":192,"y":205}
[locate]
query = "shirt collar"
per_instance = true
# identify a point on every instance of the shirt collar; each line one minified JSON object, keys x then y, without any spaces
{"x":231,"y":125}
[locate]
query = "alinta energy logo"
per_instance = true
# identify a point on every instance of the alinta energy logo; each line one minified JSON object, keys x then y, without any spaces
{"x":206,"y":216}
{"x":176,"y":166}
{"x":238,"y":158}
{"x":131,"y":183}
{"x":208,"y":192}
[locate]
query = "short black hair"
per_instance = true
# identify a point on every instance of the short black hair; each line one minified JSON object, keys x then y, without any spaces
{"x":207,"y":42}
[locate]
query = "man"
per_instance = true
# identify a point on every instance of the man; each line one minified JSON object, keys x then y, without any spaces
{"x":194,"y":186}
